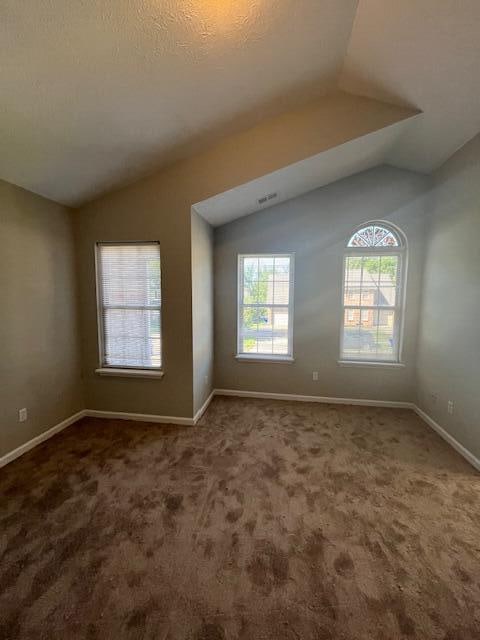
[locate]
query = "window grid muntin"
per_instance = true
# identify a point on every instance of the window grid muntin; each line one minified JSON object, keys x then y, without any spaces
{"x":397,"y":309}
{"x":283,"y":334}
{"x":365,"y":237}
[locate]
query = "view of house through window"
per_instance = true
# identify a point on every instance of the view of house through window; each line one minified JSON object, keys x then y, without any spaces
{"x":265,"y":292}
{"x":372,"y":295}
{"x":129,"y":297}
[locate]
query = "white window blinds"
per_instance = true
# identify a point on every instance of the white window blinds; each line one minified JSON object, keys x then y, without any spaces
{"x":129,"y":298}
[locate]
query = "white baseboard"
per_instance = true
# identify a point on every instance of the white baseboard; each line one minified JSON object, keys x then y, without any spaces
{"x":143,"y":417}
{"x":139,"y":417}
{"x":23,"y":448}
{"x":323,"y":399}
{"x":468,"y":455}
{"x":203,"y":408}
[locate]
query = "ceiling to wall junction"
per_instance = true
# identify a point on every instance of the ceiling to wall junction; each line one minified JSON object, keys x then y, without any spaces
{"x":96,"y":94}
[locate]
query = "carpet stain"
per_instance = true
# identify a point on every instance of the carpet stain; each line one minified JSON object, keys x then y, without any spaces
{"x":344,"y":565}
{"x":210,"y":632}
{"x":173,"y":503}
{"x":268,"y":568}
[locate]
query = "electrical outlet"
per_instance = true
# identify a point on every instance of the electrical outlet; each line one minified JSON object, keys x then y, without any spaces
{"x":315,"y":375}
{"x":450,"y":407}
{"x":22,"y":415}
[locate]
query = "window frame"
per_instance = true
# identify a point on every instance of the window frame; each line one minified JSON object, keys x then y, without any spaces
{"x":123,"y":370}
{"x":265,"y":357}
{"x":401,"y":251}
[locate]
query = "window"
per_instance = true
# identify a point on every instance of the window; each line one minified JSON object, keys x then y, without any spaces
{"x":373,"y":294}
{"x":265,"y":303}
{"x":129,"y":304}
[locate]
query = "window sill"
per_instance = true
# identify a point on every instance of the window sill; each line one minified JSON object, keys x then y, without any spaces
{"x":129,"y":373}
{"x":366,"y":363}
{"x":280,"y":359}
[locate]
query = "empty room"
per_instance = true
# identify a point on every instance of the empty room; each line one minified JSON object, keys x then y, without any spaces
{"x":240,"y":320}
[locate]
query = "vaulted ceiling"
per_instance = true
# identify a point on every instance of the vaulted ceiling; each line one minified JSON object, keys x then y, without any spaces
{"x":96,"y":93}
{"x":424,"y":54}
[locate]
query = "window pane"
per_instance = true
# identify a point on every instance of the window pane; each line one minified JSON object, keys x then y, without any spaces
{"x":282,"y":268}
{"x":280,"y":319}
{"x":265,"y":267}
{"x":264,"y":329}
{"x":387,"y":296}
{"x":250,"y":319}
{"x":353,"y":271}
{"x":386,"y":347}
{"x":281,"y":293}
{"x":371,"y":280}
{"x":369,"y":334}
{"x":249,"y":345}
{"x":265,"y":344}
{"x":250,"y":268}
{"x":265,"y":288}
{"x":374,"y":236}
{"x":280,"y":345}
{"x":250,"y":292}
{"x":265,"y":319}
{"x":388,"y":270}
{"x":132,"y":337}
{"x":351,"y":296}
{"x":370,"y":270}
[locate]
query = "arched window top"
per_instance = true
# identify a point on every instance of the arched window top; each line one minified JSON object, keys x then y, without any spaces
{"x":376,"y":235}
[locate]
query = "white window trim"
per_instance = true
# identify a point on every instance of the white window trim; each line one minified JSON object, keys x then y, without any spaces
{"x":104,"y":369}
{"x":129,"y":372}
{"x":262,"y":357}
{"x":266,"y":357}
{"x":400,"y":307}
{"x":371,"y":363}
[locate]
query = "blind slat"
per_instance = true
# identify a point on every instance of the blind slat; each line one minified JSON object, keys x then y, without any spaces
{"x":130,"y":298}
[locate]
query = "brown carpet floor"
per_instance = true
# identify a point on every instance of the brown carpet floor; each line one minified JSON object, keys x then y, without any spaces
{"x":272,"y":520}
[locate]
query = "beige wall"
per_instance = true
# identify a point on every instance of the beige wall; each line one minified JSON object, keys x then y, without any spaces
{"x":149,"y":210}
{"x":449,"y":337}
{"x":159,"y":208}
{"x":316,"y":227}
{"x":202,"y":310}
{"x":39,"y":346}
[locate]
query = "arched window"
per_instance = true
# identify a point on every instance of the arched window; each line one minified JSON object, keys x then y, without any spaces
{"x":373,"y":288}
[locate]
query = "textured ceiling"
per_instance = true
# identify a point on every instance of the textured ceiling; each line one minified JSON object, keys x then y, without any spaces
{"x":96,"y":92}
{"x":424,"y":54}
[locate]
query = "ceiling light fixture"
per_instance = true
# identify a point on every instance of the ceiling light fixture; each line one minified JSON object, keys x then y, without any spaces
{"x":223,"y":15}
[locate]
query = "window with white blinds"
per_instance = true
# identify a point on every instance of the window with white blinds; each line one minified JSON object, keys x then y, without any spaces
{"x":129,"y":305}
{"x":265,"y":305}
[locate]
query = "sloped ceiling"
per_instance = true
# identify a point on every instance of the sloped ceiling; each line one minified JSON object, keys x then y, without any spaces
{"x":359,"y":154}
{"x":424,"y":54}
{"x":94,"y":94}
